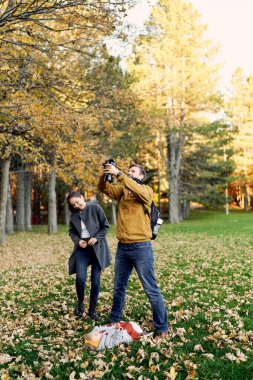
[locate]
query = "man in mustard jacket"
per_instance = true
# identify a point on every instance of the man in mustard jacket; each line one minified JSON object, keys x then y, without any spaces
{"x":134,"y":248}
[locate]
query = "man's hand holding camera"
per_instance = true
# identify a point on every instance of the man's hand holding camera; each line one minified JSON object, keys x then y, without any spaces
{"x":111,"y":169}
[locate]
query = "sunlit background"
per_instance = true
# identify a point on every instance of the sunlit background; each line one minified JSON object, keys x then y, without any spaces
{"x":229,"y":25}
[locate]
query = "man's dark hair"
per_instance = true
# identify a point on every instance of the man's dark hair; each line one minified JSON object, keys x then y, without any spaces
{"x":72,"y":194}
{"x":142,"y":171}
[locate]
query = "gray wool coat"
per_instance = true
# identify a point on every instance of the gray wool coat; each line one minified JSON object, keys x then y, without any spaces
{"x":97,"y":224}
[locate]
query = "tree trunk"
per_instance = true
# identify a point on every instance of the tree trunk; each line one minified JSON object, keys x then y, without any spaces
{"x":27,"y":201}
{"x":36,"y":201}
{"x":159,"y":175}
{"x":185,"y":209}
{"x":113,"y":213}
{"x":226,"y":197}
{"x":52,"y":204}
{"x":174,"y":207}
{"x":20,"y":208}
{"x":174,"y":159}
{"x":66,"y":213}
{"x":175,"y":139}
{"x":245,"y":197}
{"x":9,"y":224}
{"x":3,"y":197}
{"x":226,"y":188}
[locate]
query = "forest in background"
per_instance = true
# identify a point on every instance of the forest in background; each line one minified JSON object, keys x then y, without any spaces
{"x":67,"y":104}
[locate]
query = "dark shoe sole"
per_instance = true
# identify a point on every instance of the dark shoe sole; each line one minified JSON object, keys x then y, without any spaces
{"x":94,"y":317}
{"x":163,"y":335}
{"x":79,"y":310}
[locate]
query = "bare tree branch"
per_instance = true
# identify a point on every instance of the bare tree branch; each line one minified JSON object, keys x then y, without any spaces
{"x":24,"y":11}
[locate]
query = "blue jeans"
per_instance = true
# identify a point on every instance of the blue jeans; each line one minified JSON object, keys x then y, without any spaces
{"x":139,"y":256}
{"x":84,"y":257}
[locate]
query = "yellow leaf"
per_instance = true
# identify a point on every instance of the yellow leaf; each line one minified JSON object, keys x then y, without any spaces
{"x":41,"y":371}
{"x":191,"y":375}
{"x":114,"y":357}
{"x":172,"y":373}
{"x":85,"y":364}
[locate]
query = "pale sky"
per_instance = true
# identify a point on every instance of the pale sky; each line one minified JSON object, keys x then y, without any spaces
{"x":230,"y":24}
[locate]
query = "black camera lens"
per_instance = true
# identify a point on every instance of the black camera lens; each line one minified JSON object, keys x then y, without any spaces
{"x":108,"y":176}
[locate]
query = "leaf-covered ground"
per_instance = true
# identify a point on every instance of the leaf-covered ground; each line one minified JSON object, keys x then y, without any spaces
{"x":204,"y":269}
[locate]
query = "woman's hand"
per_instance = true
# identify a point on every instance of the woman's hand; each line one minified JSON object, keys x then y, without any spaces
{"x":82,"y":243}
{"x":92,"y":241}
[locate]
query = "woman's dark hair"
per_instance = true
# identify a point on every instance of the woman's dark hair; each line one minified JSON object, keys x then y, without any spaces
{"x":72,"y":194}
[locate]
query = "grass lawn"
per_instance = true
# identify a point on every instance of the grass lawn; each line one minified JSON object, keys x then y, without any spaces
{"x":204,"y":269}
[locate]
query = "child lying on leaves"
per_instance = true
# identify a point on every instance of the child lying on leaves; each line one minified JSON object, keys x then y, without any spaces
{"x":102,"y":337}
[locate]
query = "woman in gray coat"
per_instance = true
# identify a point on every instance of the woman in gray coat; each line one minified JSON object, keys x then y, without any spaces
{"x":88,"y":227}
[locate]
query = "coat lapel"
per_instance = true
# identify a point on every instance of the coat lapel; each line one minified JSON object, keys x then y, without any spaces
{"x":77,"y":222}
{"x":84,"y":215}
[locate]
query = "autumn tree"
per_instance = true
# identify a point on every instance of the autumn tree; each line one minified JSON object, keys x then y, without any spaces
{"x":118,"y":123}
{"x":207,"y":165}
{"x":177,"y":80}
{"x":239,"y":108}
{"x":39,"y":43}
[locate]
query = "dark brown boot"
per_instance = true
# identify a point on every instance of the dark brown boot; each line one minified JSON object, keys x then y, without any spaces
{"x":79,"y":309}
{"x":92,"y":312}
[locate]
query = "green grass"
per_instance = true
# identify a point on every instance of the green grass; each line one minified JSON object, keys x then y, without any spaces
{"x":214,"y":223}
{"x":204,"y":270}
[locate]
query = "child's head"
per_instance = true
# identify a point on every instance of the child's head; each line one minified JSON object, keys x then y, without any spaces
{"x":92,"y":340}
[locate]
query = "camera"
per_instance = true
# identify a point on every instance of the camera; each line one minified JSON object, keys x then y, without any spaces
{"x":108,"y":176}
